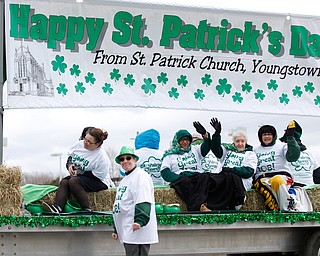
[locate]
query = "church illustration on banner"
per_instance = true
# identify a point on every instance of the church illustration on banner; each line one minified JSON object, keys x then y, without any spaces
{"x":29,"y":76}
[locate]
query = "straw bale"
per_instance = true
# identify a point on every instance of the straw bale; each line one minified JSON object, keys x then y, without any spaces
{"x":10,"y":200}
{"x":98,"y":201}
{"x":10,"y":210}
{"x":314,"y":195}
{"x":254,"y":201}
{"x":10,"y":175}
{"x":10,"y":193}
{"x":103,"y":200}
{"x":168,"y":196}
{"x":49,"y":198}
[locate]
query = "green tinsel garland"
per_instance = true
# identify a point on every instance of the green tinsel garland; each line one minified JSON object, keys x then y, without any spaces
{"x":163,"y":219}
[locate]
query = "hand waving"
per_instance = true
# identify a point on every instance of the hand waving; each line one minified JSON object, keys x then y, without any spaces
{"x":290,"y":129}
{"x":215,"y":123}
{"x":199,"y":128}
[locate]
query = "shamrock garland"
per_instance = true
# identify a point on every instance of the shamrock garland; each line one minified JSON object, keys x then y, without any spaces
{"x":163,"y":219}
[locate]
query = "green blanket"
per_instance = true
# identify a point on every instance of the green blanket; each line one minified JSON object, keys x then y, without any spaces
{"x":33,"y":193}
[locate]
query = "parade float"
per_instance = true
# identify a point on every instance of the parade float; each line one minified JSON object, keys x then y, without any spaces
{"x":109,"y":53}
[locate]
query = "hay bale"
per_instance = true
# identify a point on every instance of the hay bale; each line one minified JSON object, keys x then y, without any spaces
{"x":48,"y":198}
{"x":10,"y":193}
{"x":98,"y":201}
{"x":103,"y":200}
{"x":168,"y":196}
{"x":314,"y":195}
{"x":254,"y":201}
{"x":10,"y":175}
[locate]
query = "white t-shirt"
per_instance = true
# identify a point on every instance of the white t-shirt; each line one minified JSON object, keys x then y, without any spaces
{"x":189,"y":161}
{"x":209,"y":163}
{"x":96,"y":161}
{"x":150,"y":161}
{"x":271,"y":159}
{"x":135,"y":188}
{"x":239,"y":159}
{"x":302,"y":169}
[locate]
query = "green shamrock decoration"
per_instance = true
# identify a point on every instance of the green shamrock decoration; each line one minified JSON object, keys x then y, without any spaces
{"x":129,"y":80}
{"x":75,"y":71}
{"x":58,"y":64}
{"x":62,"y":89}
{"x":114,"y":75}
{"x":182,"y":80}
{"x":272,"y":85}
{"x":90,"y":78}
{"x":80,"y":88}
{"x":162,"y":78}
{"x":297,"y":91}
{"x":206,"y":79}
{"x":309,"y":87}
{"x":246,"y":87}
{"x":173,"y":93}
{"x":148,"y":86}
{"x":199,"y":95}
{"x":284,"y":99}
{"x":223,"y":87}
{"x":107,"y":88}
{"x":259,"y":95}
{"x":237,"y":97}
{"x":317,"y":100}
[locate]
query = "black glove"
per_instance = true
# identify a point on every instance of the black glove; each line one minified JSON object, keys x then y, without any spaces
{"x":289,"y":132}
{"x":199,"y":128}
{"x":215,"y":123}
{"x":290,"y":129}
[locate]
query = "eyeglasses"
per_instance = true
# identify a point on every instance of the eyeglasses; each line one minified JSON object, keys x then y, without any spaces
{"x":89,"y":142}
{"x":128,"y":158}
{"x":267,"y":134}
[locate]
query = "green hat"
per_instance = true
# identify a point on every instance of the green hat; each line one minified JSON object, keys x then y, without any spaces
{"x":125,"y":150}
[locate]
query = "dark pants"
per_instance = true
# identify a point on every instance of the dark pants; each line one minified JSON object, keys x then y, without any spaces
{"x":78,"y":186}
{"x":137,"y":249}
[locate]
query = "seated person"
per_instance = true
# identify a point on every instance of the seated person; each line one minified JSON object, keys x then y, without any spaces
{"x":237,"y":157}
{"x":273,"y":179}
{"x":89,"y":171}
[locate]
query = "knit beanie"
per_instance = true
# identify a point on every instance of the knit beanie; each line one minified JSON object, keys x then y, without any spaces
{"x":267,"y":129}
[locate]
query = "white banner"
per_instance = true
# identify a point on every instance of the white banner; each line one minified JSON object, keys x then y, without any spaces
{"x":138,"y":55}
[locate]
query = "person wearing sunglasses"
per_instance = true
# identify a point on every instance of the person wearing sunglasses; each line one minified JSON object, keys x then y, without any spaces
{"x":89,"y":171}
{"x":134,"y":215}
